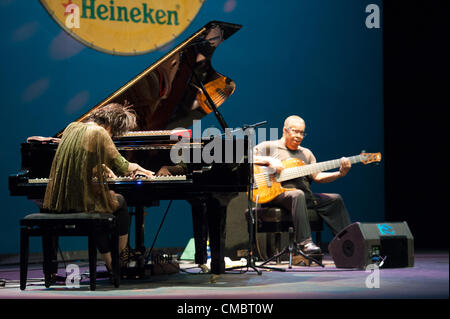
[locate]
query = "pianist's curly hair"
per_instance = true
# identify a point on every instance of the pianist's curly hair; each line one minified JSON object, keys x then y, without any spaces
{"x":119,"y":118}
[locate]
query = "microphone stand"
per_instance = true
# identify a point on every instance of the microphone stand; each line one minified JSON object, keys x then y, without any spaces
{"x":252,"y":236}
{"x":225,"y":127}
{"x":290,"y":249}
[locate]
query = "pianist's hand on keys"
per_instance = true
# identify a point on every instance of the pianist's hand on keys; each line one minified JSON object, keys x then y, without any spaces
{"x":136,"y":170}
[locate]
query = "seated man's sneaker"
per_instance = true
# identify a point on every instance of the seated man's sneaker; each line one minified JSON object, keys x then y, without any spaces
{"x":309,"y":248}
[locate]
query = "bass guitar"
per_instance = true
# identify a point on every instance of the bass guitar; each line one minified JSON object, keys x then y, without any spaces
{"x":267,"y":184}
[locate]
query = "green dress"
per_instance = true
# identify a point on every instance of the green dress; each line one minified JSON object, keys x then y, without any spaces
{"x":78,"y":180}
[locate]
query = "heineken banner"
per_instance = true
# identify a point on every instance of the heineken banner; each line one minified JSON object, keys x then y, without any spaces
{"x":123,"y":27}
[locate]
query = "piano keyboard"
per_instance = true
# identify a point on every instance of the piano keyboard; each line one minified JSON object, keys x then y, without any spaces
{"x":124,"y":179}
{"x":146,"y":179}
{"x":158,"y":132}
{"x":154,"y":135}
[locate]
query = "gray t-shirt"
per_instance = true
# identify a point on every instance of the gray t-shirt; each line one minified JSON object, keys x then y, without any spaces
{"x":277,"y":149}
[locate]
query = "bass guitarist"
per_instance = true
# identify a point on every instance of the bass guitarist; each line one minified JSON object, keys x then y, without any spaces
{"x":330,"y":207}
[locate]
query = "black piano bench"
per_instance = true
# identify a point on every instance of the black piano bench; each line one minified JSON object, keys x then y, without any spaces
{"x":52,"y":225}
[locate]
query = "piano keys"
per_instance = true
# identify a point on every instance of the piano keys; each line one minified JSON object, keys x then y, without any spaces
{"x":167,"y":97}
{"x":173,"y":135}
{"x":125,"y":179}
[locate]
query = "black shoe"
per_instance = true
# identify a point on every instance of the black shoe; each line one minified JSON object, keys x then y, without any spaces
{"x":310,"y":248}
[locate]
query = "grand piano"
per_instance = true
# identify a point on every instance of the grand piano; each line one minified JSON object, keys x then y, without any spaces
{"x":168,"y":96}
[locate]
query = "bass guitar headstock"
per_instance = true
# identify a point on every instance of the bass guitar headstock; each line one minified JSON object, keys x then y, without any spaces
{"x":367,"y":158}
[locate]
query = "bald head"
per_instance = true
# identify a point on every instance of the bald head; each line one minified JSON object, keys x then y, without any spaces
{"x":293,"y":132}
{"x":293,"y":120}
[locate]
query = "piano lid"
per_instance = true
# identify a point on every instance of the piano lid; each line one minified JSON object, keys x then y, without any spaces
{"x":167,"y":94}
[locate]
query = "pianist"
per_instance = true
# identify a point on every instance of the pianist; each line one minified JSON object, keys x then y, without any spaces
{"x":84,"y":159}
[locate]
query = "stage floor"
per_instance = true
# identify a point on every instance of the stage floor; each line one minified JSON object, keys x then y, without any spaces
{"x":428,"y":279}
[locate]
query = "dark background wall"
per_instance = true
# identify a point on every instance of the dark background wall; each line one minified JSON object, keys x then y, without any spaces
{"x":416,"y":118}
{"x":313,"y":58}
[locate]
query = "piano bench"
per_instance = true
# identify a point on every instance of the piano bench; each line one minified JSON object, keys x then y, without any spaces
{"x":52,"y":225}
{"x":275,"y":220}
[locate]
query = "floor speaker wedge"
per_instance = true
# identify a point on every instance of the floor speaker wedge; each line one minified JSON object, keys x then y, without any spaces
{"x":390,"y":245}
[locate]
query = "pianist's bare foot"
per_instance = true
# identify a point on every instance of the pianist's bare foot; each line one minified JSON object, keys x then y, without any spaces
{"x":204,"y":269}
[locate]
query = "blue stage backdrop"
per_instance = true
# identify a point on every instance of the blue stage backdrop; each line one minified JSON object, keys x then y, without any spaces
{"x":316,"y":59}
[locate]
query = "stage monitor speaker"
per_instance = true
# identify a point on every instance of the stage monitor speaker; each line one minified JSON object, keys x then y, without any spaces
{"x":362,"y":244}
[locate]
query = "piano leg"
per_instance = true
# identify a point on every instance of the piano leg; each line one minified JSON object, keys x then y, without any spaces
{"x":217,"y":215}
{"x":200,"y":228}
{"x":139,"y":224}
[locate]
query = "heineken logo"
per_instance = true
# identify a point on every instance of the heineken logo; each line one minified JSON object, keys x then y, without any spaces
{"x":143,"y":14}
{"x":123,"y":27}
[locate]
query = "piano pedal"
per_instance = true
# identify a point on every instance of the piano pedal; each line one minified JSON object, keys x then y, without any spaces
{"x":165,"y":268}
{"x":159,"y":265}
{"x":135,"y":268}
{"x":164,"y":264}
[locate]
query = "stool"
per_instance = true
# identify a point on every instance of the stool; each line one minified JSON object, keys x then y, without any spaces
{"x":52,"y":225}
{"x":275,"y":220}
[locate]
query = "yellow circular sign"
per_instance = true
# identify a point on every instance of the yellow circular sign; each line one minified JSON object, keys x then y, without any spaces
{"x":123,"y":27}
